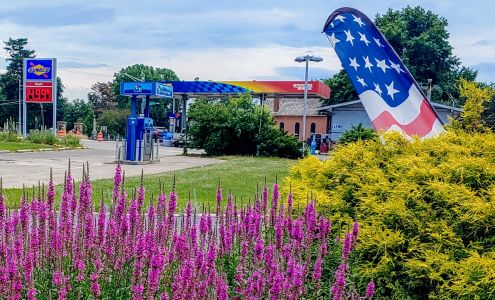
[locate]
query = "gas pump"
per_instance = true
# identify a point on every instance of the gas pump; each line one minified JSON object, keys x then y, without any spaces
{"x":139,"y":143}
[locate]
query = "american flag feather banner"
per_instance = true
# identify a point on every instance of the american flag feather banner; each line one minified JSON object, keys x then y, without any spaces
{"x":389,"y":93}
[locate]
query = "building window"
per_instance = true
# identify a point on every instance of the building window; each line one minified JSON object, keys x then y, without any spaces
{"x":313,"y":127}
{"x":282,"y":126}
{"x":296,"y":129}
{"x":276,"y":104}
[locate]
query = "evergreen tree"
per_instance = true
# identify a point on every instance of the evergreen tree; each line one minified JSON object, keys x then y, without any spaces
{"x":9,"y":81}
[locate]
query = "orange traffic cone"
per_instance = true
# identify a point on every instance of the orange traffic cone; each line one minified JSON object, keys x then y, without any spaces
{"x":100,"y":136}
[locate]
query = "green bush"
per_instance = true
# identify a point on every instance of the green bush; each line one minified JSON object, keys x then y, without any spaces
{"x":42,"y":137}
{"x":8,"y":136}
{"x":237,"y":126}
{"x":358,"y":133}
{"x":426,"y":209}
{"x":70,"y":140}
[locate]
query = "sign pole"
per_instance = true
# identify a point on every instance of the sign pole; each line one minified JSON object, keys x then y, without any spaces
{"x":55,"y":98}
{"x":24,"y":117}
{"x":24,"y":104}
{"x":19,"y":125}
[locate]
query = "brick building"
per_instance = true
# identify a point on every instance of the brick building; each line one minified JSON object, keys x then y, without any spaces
{"x":288,"y":113}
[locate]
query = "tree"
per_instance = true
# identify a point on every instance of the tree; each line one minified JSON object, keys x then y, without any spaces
{"x":476,"y":97}
{"x":139,"y":71}
{"x":358,"y":133}
{"x":420,"y":38}
{"x":341,"y":89}
{"x":9,"y":86}
{"x":102,"y":96}
{"x":238,"y":126}
{"x":9,"y":81}
{"x":79,"y":111}
{"x":115,"y":120}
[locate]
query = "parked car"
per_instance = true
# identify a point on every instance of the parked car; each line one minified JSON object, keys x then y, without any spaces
{"x":179,"y":139}
{"x":158,"y":133}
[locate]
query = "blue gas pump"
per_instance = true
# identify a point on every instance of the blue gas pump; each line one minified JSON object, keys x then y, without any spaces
{"x":140,"y":128}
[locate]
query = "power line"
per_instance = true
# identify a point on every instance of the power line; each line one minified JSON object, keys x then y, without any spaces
{"x":84,"y":72}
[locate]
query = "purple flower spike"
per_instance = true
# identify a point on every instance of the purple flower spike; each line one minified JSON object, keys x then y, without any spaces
{"x":370,"y":290}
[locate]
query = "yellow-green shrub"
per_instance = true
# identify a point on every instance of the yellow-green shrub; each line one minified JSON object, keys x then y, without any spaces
{"x":427,"y":211}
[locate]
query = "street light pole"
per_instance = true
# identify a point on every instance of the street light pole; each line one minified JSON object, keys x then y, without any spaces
{"x":306,"y":59}
{"x":305,"y":104}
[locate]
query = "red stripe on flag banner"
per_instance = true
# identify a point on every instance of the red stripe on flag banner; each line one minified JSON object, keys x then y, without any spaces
{"x":421,"y":125}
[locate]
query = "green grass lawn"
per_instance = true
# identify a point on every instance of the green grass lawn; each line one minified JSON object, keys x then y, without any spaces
{"x":14,"y":146}
{"x":237,"y":174}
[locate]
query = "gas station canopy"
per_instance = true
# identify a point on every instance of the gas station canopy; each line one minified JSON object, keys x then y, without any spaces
{"x":219,"y":88}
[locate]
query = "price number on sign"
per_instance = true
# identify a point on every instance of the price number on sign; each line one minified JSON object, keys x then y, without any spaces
{"x":39,"y":94}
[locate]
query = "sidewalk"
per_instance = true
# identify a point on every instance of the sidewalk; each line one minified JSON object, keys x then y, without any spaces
{"x":17,"y":169}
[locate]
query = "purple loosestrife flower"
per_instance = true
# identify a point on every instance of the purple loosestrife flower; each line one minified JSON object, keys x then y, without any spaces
{"x":58,"y":278}
{"x":50,"y":195}
{"x":3,"y":212}
{"x":264,"y":198}
{"x":274,"y":210}
{"x":221,"y":289}
{"x":140,"y":198}
{"x":157,"y":263}
{"x":256,"y":285}
{"x":117,"y":181}
{"x":172,"y":205}
{"x":111,"y":235}
{"x":310,"y":217}
{"x":188,"y":215}
{"x":286,"y":251}
{"x":28,"y":267}
{"x":81,"y":268}
{"x":35,"y":246}
{"x":269,"y":254}
{"x":244,"y":249}
{"x":24,"y":216}
{"x":101,"y":224}
{"x":277,"y":286}
{"x":31,"y":293}
{"x":161,"y":206}
{"x":325,"y":227}
{"x":151,"y":216}
{"x":297,"y":232}
{"x":290,"y":200}
{"x":95,"y":286}
{"x":279,"y":232}
{"x":219,"y":201}
{"x":370,"y":290}
{"x":338,"y":288}
{"x":355,"y":232}
{"x":346,"y":247}
{"x":317,"y":269}
{"x":259,"y":249}
{"x":203,"y":225}
{"x":137,"y":292}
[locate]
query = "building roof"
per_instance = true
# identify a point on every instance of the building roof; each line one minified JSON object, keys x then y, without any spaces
{"x":331,"y":107}
{"x":279,"y":88}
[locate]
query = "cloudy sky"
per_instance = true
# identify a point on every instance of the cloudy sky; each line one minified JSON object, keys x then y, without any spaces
{"x":215,"y":39}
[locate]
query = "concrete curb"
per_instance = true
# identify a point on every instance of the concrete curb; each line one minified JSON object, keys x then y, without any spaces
{"x":42,"y":150}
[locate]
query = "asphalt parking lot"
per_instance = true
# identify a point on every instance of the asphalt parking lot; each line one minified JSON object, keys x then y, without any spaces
{"x":28,"y":168}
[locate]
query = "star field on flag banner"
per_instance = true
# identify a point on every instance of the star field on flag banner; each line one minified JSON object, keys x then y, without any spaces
{"x":390,"y":95}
